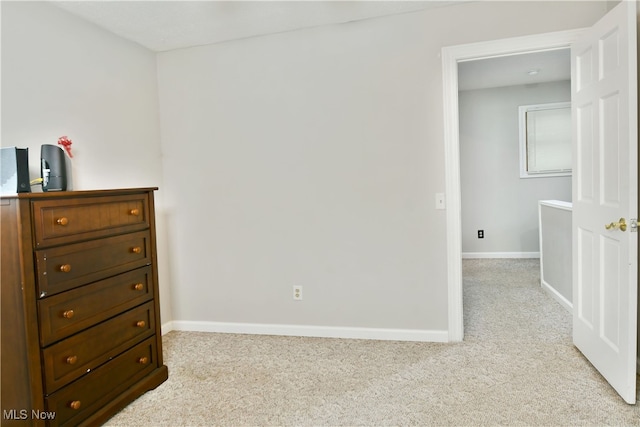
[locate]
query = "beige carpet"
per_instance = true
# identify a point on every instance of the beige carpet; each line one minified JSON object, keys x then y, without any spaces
{"x":516,"y":366}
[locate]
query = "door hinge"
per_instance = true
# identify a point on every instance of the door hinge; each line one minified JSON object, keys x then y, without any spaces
{"x":633,"y":225}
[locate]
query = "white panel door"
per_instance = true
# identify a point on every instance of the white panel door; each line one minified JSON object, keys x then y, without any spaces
{"x":605,"y":177}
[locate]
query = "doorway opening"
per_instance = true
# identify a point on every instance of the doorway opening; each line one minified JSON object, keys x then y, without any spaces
{"x":451,"y":57}
{"x":502,"y":143}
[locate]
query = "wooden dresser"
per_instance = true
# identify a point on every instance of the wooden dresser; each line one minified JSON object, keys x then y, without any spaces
{"x":80,"y":312}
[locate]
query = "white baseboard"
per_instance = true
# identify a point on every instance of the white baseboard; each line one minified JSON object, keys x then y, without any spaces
{"x":557,"y":296}
{"x":166,"y":328}
{"x":471,"y":255}
{"x":308,"y":331}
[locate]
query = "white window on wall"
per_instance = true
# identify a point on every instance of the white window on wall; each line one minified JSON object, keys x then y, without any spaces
{"x":545,"y":140}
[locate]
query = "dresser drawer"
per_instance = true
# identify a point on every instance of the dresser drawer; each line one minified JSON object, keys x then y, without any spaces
{"x":62,"y":221}
{"x":83,"y":397}
{"x":73,"y":357}
{"x":67,"y":267}
{"x":66,"y":313}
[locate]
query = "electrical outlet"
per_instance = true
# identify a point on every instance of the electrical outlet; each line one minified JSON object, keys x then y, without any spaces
{"x":480,"y":234}
{"x":297,"y":293}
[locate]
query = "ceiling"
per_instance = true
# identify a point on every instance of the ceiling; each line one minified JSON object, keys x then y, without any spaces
{"x":166,"y":25}
{"x":529,"y":68}
{"x":163,"y":25}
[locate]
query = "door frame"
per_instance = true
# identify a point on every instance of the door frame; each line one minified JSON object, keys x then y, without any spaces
{"x":451,"y":56}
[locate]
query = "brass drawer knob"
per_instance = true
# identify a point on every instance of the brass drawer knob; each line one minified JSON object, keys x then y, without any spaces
{"x":138,"y":286}
{"x":71,"y":360}
{"x":134,"y":212}
{"x":68,"y":314}
{"x":75,"y":404}
{"x":62,"y":221}
{"x":143,"y":360}
{"x":136,"y":249}
{"x":65,"y":268}
{"x":141,"y":323}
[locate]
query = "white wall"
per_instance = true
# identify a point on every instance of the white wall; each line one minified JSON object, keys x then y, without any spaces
{"x":494,"y":197}
{"x":556,"y":250}
{"x":312,"y":158}
{"x":63,"y":76}
{"x":310,"y":180}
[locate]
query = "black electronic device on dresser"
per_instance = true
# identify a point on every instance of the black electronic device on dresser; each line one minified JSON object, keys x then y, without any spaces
{"x":53,"y":168}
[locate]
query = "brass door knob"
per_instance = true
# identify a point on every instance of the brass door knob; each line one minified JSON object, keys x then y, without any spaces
{"x":141,"y":323}
{"x":136,"y":249}
{"x":134,"y":212}
{"x":62,"y":221}
{"x":68,"y":314}
{"x":143,"y":360}
{"x":138,"y":286}
{"x":74,"y":404}
{"x":71,"y":360}
{"x":620,"y":225}
{"x":65,"y":268}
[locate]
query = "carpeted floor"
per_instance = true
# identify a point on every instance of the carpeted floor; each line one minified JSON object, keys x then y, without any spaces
{"x":516,"y":366}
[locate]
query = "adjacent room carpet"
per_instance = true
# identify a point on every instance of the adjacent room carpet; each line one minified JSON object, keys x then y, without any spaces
{"x":516,"y":366}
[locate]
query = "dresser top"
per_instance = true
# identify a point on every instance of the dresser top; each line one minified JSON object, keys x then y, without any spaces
{"x":82,"y":193}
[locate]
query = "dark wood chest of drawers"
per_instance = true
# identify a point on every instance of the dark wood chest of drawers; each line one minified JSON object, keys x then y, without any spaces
{"x":80,"y":312}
